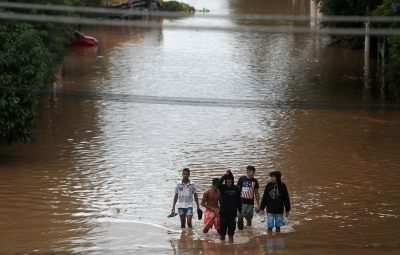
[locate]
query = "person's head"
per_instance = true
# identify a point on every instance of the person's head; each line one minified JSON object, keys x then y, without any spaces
{"x":275,"y":176}
{"x":185,"y":173}
{"x":250,"y":171}
{"x":229,"y":180}
{"x":215,"y":182}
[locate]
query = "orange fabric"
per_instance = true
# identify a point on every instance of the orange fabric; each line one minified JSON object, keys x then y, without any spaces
{"x":211,"y":218}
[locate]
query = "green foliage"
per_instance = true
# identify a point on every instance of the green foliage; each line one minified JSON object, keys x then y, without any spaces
{"x":29,"y":55}
{"x":348,"y":7}
{"x":392,"y":68}
{"x":177,"y":7}
{"x":370,"y":7}
{"x":24,"y":61}
{"x":56,"y":38}
{"x":385,"y":9}
{"x":392,"y":59}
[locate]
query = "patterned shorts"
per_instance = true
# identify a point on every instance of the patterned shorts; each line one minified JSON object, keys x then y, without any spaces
{"x":211,"y":218}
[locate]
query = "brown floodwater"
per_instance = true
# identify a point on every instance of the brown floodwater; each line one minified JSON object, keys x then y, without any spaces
{"x":126,"y":117}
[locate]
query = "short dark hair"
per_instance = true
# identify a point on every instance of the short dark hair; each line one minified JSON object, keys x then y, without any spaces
{"x":251,"y":168}
{"x":186,"y":170}
{"x":215,"y":181}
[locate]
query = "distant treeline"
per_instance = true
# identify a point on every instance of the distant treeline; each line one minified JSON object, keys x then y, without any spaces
{"x":391,"y":58}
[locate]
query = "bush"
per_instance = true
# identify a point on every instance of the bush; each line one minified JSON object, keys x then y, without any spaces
{"x":346,"y":8}
{"x":177,"y":7}
{"x":29,"y":55}
{"x":392,"y":58}
{"x":24,"y":65}
{"x":392,"y":68}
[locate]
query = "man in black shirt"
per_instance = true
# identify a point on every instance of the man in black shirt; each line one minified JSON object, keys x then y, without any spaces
{"x":276,"y":200}
{"x":230,"y":204}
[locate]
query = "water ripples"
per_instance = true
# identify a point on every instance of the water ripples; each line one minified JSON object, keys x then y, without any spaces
{"x":102,"y":175}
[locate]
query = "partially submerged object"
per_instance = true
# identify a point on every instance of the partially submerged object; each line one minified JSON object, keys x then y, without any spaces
{"x":83,"y":40}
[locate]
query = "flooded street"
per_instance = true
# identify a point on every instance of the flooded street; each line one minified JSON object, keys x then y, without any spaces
{"x":125,"y":118}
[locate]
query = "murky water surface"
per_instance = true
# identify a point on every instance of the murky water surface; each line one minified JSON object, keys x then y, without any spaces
{"x":126,"y":117}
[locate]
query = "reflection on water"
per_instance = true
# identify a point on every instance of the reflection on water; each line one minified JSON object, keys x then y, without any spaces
{"x":275,"y":245}
{"x":100,"y":177}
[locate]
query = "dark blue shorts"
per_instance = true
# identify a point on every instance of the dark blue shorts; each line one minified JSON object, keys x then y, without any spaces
{"x":186,"y":211}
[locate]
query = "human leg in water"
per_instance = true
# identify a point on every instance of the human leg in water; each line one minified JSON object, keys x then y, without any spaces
{"x":240,"y":223}
{"x":224,"y":227}
{"x":207,"y":227}
{"x":248,"y":222}
{"x":183,"y":219}
{"x":231,"y":228}
{"x":189,"y":220}
{"x":248,"y":212}
{"x":279,"y":222}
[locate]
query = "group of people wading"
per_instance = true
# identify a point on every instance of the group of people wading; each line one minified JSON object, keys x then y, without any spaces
{"x":224,"y":202}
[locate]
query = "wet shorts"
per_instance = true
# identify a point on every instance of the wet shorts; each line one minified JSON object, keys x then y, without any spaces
{"x":211,"y":218}
{"x":275,"y":220}
{"x":247,"y":210}
{"x":186,"y":211}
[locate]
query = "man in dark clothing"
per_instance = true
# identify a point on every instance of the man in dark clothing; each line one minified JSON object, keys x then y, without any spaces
{"x":249,"y":190}
{"x":230,"y":204}
{"x":276,"y":200}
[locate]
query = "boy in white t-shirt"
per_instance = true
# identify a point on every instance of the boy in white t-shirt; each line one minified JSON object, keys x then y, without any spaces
{"x":183,"y":199}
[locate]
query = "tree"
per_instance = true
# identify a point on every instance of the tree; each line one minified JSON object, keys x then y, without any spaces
{"x":348,"y":8}
{"x":176,"y":6}
{"x":371,"y":7}
{"x":29,"y":55}
{"x":392,"y":58}
{"x":24,"y":61}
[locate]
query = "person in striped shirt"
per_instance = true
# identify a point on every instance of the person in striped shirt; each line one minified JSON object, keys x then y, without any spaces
{"x":249,"y":190}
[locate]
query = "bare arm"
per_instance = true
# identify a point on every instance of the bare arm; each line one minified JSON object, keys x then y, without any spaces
{"x":220,"y":184}
{"x":196,"y":198}
{"x":257,"y":198}
{"x":174,"y":203}
{"x":204,"y":200}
